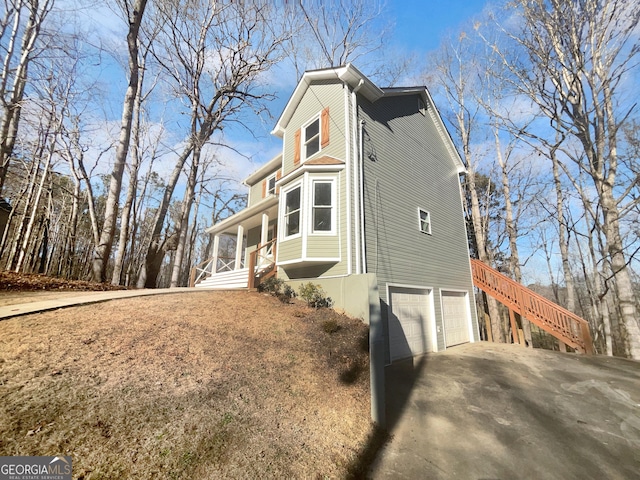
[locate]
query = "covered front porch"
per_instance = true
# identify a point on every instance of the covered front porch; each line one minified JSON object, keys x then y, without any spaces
{"x":254,"y":249}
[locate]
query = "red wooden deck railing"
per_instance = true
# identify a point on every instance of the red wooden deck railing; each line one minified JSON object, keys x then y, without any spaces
{"x":566,"y":326}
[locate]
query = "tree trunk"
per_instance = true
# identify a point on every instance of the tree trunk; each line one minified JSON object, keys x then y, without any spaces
{"x":102,"y":250}
{"x":184,"y":216}
{"x":133,"y":182}
{"x":34,"y":210}
{"x":12,"y":107}
{"x":624,"y":286}
{"x":512,"y":234}
{"x":155,"y":253}
{"x":497,"y":331}
{"x":563,"y":242}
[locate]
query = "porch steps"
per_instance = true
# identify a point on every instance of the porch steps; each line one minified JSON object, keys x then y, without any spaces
{"x":566,"y":326}
{"x":226,"y":280}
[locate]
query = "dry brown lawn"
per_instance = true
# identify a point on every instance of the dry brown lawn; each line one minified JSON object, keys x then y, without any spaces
{"x":191,"y":385}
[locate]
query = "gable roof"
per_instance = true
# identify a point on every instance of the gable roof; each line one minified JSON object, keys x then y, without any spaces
{"x":348,"y":74}
{"x":369,"y":90}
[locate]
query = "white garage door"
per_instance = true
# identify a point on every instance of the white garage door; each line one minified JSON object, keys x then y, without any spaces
{"x":456,"y":318}
{"x":409,"y":322}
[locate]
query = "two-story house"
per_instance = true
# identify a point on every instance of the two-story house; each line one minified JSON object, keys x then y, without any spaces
{"x":365,"y":194}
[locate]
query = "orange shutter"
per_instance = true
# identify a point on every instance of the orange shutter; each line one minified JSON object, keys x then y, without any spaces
{"x":278,"y":177}
{"x":296,"y":148}
{"x":325,"y":127}
{"x":264,"y":188}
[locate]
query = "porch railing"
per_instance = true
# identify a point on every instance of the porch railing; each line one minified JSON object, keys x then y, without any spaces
{"x":205,"y":269}
{"x":262,"y":264}
{"x":566,"y":326}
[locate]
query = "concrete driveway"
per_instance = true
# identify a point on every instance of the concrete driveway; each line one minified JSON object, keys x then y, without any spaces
{"x":491,"y":411}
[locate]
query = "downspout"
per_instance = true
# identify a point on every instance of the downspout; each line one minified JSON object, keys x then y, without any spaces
{"x":345,"y":89}
{"x":361,"y":161}
{"x":356,"y":171}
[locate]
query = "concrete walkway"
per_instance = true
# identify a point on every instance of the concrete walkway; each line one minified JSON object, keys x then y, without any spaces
{"x":493,"y":411}
{"x":54,"y":300}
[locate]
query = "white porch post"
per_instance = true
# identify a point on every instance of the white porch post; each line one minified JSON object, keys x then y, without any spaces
{"x":239,"y":242}
{"x":264,"y":234}
{"x":216,"y":247}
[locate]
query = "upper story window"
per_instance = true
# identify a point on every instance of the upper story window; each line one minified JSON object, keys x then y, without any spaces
{"x":425,"y":221}
{"x":271,"y":185}
{"x":323,"y":207}
{"x":312,"y":137}
{"x":292,"y":212}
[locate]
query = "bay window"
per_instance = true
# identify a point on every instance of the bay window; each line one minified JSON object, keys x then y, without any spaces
{"x":292,"y":212}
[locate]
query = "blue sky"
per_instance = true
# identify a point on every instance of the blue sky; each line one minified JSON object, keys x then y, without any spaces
{"x":419,"y":27}
{"x":420,"y":24}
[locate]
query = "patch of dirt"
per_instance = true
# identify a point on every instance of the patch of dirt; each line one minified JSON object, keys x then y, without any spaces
{"x":30,"y":281}
{"x":190,"y":385}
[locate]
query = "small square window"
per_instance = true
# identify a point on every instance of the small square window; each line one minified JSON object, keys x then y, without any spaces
{"x":425,"y":221}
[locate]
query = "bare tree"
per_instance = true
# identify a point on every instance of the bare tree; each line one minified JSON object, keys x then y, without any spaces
{"x":337,"y":32}
{"x":134,"y":13}
{"x":134,"y":167}
{"x":576,"y":57}
{"x":20,"y":28}
{"x":453,"y":72}
{"x":213,"y":54}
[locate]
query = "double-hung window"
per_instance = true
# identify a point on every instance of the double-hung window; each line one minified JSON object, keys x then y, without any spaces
{"x":425,"y":221}
{"x":292,"y":212}
{"x":271,"y":185}
{"x":322,"y":217}
{"x":311,"y":136}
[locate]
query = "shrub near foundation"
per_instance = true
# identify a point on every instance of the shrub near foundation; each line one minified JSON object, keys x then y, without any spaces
{"x":314,"y":296}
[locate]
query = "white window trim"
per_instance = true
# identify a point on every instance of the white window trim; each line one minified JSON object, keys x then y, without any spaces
{"x":334,"y":205}
{"x":420,"y":211}
{"x":303,"y":138}
{"x":283,"y":203}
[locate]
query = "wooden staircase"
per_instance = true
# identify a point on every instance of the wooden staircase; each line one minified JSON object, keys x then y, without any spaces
{"x":564,"y":325}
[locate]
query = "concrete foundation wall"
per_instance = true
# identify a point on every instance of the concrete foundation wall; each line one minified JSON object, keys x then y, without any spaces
{"x":350,"y":294}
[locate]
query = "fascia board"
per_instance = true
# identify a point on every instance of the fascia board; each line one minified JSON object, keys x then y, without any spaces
{"x":243,"y":215}
{"x":263,"y":170}
{"x":348,"y":74}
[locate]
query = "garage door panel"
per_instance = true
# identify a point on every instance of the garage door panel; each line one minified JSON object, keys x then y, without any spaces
{"x":456,"y":318}
{"x":409,"y":322}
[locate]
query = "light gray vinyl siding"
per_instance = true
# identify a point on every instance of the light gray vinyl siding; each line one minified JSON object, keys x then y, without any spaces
{"x":255,"y":190}
{"x":290,"y":249}
{"x":319,"y":96}
{"x":253,"y":238}
{"x":323,"y":246}
{"x":255,"y":193}
{"x":407,"y":167}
